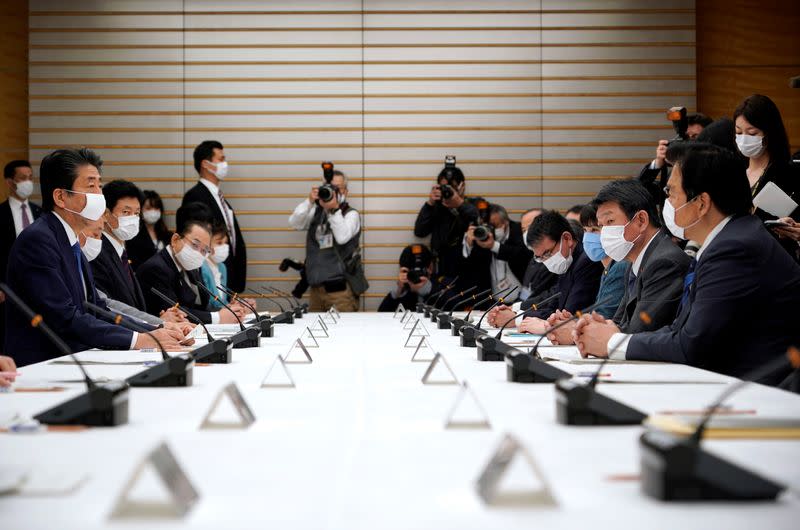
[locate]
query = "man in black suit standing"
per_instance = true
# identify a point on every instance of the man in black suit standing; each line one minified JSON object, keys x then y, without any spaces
{"x":739,"y":302}
{"x":16,"y":214}
{"x":211,"y":165}
{"x":112,"y":268}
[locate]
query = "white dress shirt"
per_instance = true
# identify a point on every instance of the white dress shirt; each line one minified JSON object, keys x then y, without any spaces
{"x":214,"y":189}
{"x":73,"y":238}
{"x":16,"y":212}
{"x":618,"y":343}
{"x":343,"y":227}
{"x":119,"y":247}
{"x":502,"y":275}
{"x":192,"y":286}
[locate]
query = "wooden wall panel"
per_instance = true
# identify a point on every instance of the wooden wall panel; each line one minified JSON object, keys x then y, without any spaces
{"x":13,"y":84}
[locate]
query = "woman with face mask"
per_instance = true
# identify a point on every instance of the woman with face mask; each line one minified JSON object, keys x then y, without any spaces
{"x":761,"y":137}
{"x":153,"y":232}
{"x":213,"y":271}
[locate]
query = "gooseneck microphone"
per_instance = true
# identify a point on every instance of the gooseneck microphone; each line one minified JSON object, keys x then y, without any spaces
{"x":578,"y":314}
{"x":103,"y":405}
{"x":457,"y":323}
{"x":502,"y":294}
{"x":444,"y":318}
{"x":679,"y":469}
{"x":293,"y":305}
{"x":284,"y":317}
{"x":468,"y":299}
{"x":492,"y":349}
{"x":173,"y":371}
{"x":247,"y":337}
{"x":293,"y":299}
{"x":217,"y":351}
{"x":264,"y":324}
{"x":435,"y":298}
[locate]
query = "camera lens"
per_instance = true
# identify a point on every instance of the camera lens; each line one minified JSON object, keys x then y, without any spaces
{"x":481,"y":233}
{"x":447,"y":191}
{"x":325,"y":192}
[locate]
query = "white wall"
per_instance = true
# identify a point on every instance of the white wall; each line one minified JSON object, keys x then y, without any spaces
{"x":541,"y":101}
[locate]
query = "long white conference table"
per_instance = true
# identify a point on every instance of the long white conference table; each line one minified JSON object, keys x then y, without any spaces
{"x":361,"y":442}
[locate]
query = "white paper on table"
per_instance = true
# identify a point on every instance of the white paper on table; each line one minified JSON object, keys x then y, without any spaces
{"x":774,"y":200}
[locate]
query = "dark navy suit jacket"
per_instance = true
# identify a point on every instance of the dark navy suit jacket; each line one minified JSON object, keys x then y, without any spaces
{"x":111,"y":278}
{"x":742,"y":307}
{"x":43,"y":271}
{"x":161,"y":272}
{"x":578,"y":286}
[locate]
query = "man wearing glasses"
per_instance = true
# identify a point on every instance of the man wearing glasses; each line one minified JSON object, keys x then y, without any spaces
{"x":175,"y":270}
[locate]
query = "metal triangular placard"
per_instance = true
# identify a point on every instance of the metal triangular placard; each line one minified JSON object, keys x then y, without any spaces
{"x":246,"y":416}
{"x":322,"y":327}
{"x":488,"y":482}
{"x":299,"y":345}
{"x":311,"y":336}
{"x":400,"y":309}
{"x":336,"y":312}
{"x":454,"y":422}
{"x":411,"y":323}
{"x":426,"y":378}
{"x":278,"y":375}
{"x":423,"y":344}
{"x":407,"y":317}
{"x":183,"y":495}
{"x":329,"y":314}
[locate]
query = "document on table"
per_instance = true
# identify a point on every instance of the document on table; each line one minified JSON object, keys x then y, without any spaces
{"x":731,"y":427}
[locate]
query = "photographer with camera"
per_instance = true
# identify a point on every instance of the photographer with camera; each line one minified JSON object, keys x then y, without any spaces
{"x":333,"y":257}
{"x":445,"y":217}
{"x":415,"y":282}
{"x":687,"y":127}
{"x":495,"y":251}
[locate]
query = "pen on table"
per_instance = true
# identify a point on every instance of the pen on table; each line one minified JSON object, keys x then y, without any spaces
{"x":10,"y":374}
{"x":591,"y":374}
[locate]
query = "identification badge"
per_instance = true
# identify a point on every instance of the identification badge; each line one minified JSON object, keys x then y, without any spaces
{"x":324,"y":237}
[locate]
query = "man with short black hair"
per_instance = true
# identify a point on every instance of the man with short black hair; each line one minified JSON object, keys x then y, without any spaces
{"x":49,"y":272}
{"x":537,"y":282}
{"x":574,"y":213}
{"x":417,"y":260}
{"x":112,"y":268}
{"x":737,"y":310}
{"x":211,"y":165}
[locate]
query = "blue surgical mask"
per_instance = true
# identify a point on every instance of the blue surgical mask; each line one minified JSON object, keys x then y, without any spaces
{"x":592,"y":246}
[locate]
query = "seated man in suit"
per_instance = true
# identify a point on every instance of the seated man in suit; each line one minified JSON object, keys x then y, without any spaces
{"x":502,"y":254}
{"x":112,"y":269}
{"x":48,"y":271}
{"x":555,"y":245}
{"x":737,"y":310}
{"x":631,"y":232}
{"x":418,"y":260}
{"x":175,"y":270}
{"x":16,"y":214}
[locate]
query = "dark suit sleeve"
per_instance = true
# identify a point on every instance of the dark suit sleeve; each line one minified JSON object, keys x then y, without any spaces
{"x":390,"y":303}
{"x":103,"y":276}
{"x":43,"y":282}
{"x":722,"y":285}
{"x":151,"y":276}
{"x":661,"y":293}
{"x":423,"y":226}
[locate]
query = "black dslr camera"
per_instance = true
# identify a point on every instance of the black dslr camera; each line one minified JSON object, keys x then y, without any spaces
{"x":484,"y":228}
{"x":416,"y":273}
{"x":448,"y":190}
{"x":327,"y":191}
{"x":677,"y":115}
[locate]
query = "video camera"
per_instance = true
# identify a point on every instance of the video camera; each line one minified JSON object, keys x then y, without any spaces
{"x":484,"y":228}
{"x":677,"y":115}
{"x":448,"y":190}
{"x":327,"y":191}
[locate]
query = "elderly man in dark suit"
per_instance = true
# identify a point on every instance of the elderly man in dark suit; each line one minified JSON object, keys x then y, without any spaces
{"x":48,"y":270}
{"x":212,"y":166}
{"x":737,"y":310}
{"x":16,"y":214}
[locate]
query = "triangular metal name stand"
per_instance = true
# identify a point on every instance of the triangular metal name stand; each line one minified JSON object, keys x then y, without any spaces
{"x":456,"y":421}
{"x":417,"y":331}
{"x":411,"y":323}
{"x":298,"y":344}
{"x":407,"y":317}
{"x":336,"y":312}
{"x":400,"y":309}
{"x":329,"y":314}
{"x":428,"y":380}
{"x":488,"y":483}
{"x":322,"y":328}
{"x":246,"y":416}
{"x":278,"y":375}
{"x":182,"y":494}
{"x":310,"y":336}
{"x":421,"y":346}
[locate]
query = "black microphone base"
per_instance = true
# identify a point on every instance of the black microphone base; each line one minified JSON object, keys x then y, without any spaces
{"x":298,"y":312}
{"x":420,"y":307}
{"x":526,"y":368}
{"x":468,"y":336}
{"x":427,"y":311}
{"x":435,"y":314}
{"x":175,"y":371}
{"x":455,"y":326}
{"x":577,"y":404}
{"x":304,"y":307}
{"x":677,"y":469}
{"x":247,"y":338}
{"x":267,"y":329}
{"x":491,"y":349}
{"x":444,"y":321}
{"x":215,"y":352}
{"x":105,"y":405}
{"x":287,"y":317}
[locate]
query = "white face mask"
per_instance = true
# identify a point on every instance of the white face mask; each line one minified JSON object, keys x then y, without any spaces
{"x":91,"y":247}
{"x":558,"y":264}
{"x":500,"y":234}
{"x":95,"y":206}
{"x":189,"y":258}
{"x":612,"y":239}
{"x":220,"y":253}
{"x":669,"y":219}
{"x":128,"y":227}
{"x":221,"y":170}
{"x":750,"y":146}
{"x":151,"y":217}
{"x":25,"y":189}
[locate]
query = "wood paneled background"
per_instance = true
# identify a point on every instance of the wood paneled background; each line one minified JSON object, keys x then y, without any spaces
{"x":13,"y":84}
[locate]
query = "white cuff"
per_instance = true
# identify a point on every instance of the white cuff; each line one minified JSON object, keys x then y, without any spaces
{"x":134,"y":339}
{"x":617,"y":346}
{"x":466,"y":250}
{"x":215,"y":317}
{"x":516,"y":307}
{"x":496,"y":247}
{"x":653,"y":165}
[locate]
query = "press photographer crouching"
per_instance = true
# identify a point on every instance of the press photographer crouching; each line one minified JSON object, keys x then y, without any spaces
{"x":445,"y":217}
{"x":415,"y":281}
{"x":495,"y":252}
{"x":333,"y":257}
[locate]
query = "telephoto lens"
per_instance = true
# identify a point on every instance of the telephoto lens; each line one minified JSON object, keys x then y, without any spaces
{"x":482,"y":232}
{"x":447,"y":191}
{"x":415,"y":275}
{"x":326,"y":192}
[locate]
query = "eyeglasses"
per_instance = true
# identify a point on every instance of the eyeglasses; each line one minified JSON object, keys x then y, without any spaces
{"x":205,"y":250}
{"x":547,"y":255}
